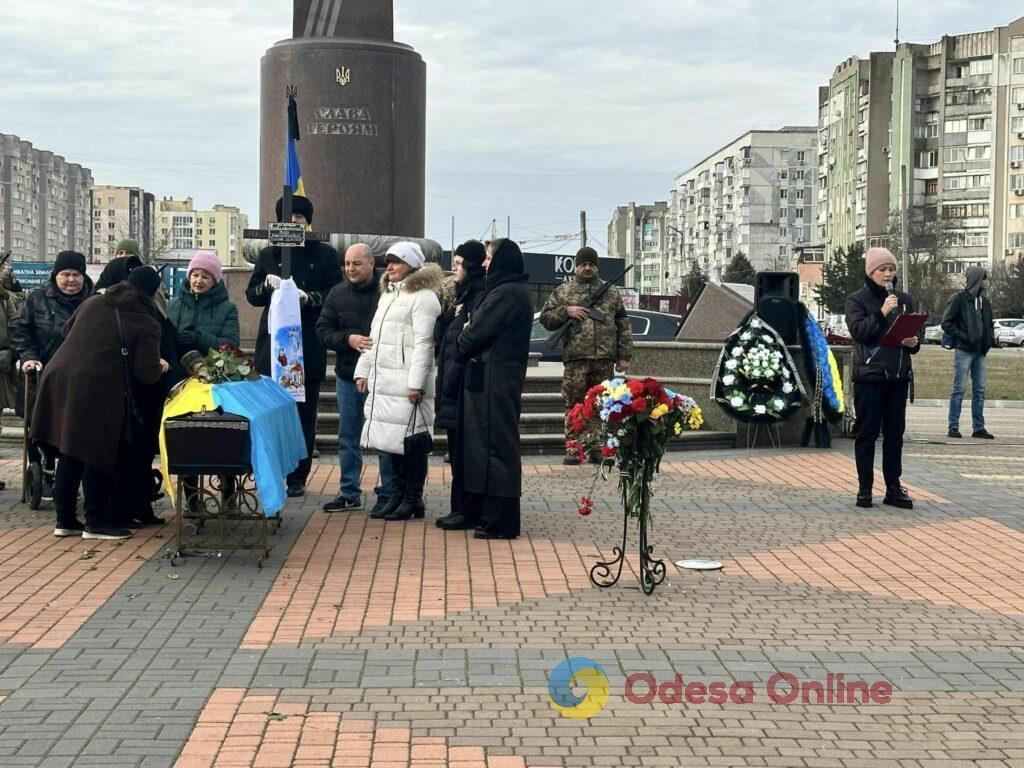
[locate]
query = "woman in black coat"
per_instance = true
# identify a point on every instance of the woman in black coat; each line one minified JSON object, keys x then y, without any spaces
{"x":469,"y":278}
{"x":495,"y":348}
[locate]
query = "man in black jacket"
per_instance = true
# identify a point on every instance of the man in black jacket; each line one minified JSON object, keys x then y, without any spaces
{"x":968,"y":321}
{"x":881,"y":377}
{"x":344,"y":326}
{"x":315,"y":270}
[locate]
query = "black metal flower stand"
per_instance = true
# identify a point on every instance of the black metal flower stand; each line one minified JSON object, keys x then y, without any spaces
{"x":636,"y":492}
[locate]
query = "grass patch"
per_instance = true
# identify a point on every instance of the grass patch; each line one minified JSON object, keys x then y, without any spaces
{"x":933,"y":374}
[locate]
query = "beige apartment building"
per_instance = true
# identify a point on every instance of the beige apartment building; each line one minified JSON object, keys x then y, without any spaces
{"x":939,"y":127}
{"x":44,"y":202}
{"x":755,"y":196}
{"x":119,"y":213}
{"x":638,"y":234}
{"x":182,"y":231}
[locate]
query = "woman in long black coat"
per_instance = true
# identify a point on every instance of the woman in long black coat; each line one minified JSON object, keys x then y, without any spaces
{"x":495,"y":347}
{"x":469,"y":279}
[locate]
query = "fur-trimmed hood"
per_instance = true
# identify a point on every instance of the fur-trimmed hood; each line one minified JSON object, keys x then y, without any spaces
{"x":429,"y":278}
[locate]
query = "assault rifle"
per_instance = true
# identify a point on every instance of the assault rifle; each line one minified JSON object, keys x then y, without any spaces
{"x":572,"y":324}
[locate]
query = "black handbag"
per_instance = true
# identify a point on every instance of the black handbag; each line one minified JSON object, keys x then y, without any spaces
{"x":133,"y":421}
{"x":208,"y":443}
{"x":417,"y":443}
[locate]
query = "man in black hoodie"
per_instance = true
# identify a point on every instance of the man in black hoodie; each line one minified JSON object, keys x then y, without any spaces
{"x":968,"y":321}
{"x":344,"y":326}
{"x":315,"y":270}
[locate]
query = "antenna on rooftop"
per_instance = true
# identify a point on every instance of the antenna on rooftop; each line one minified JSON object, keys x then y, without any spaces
{"x":897,"y":23}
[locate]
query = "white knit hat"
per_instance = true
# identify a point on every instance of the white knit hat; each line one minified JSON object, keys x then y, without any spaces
{"x":410,"y":253}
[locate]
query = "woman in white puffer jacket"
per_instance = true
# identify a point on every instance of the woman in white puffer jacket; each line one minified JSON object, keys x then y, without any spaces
{"x":397,"y":372}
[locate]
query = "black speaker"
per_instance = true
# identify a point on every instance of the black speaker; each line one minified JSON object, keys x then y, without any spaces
{"x":775,"y":296}
{"x":777,"y":284}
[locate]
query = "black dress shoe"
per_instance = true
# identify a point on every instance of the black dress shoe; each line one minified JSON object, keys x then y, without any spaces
{"x":983,"y":434}
{"x":296,"y":489}
{"x":954,"y":432}
{"x":150,"y":520}
{"x":480,"y":533}
{"x":896,"y":496}
{"x":408,"y":510}
{"x":864,"y":498}
{"x":439,"y":522}
{"x":456,"y":523}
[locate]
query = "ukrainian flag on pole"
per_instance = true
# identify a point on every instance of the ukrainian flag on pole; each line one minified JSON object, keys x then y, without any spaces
{"x":292,"y":172}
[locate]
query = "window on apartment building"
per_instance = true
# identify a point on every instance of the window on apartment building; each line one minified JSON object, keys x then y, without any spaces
{"x":799,"y":194}
{"x":931,"y":186}
{"x":1017,"y":211}
{"x":1017,"y":95}
{"x":965,"y":210}
{"x":926,"y":159}
{"x":783,"y":194}
{"x":1017,"y":153}
{"x":798,"y":175}
{"x":1015,"y":240}
{"x":981,"y":66}
{"x":1017,"y":181}
{"x":213,"y":231}
{"x":110,"y":225}
{"x":977,"y":181}
{"x":971,"y":97}
{"x":799,"y":213}
{"x":213,"y":243}
{"x":801,"y":157}
{"x":1017,"y":124}
{"x":110,"y":212}
{"x":956,"y":126}
{"x":979,"y":124}
{"x":96,"y":226}
{"x":783,"y":213}
{"x":928,"y":131}
{"x":111,"y":200}
{"x":968,"y":239}
{"x":784,"y":175}
{"x":783,"y":231}
{"x":1018,"y":66}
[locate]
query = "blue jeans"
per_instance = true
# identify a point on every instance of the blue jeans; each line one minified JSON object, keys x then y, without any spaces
{"x":975,"y":365}
{"x":350,"y":456}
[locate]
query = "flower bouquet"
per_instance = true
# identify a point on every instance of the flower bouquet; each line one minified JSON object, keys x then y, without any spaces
{"x":630,"y":423}
{"x":224,"y":364}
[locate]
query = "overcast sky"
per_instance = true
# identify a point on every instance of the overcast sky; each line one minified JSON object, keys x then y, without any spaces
{"x":536,"y":108}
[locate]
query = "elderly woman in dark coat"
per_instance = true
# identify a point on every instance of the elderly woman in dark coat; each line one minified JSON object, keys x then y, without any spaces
{"x":81,"y":410}
{"x":495,"y":346}
{"x":469,"y":290}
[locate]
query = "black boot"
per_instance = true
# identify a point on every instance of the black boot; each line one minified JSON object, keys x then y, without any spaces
{"x":896,"y":496}
{"x":397,"y":489}
{"x":412,"y":506}
{"x":864,"y":496}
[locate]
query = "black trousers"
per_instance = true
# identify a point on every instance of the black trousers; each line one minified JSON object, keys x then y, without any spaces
{"x":98,"y":489}
{"x":881,"y":408}
{"x":307,"y":417}
{"x":458,"y":496}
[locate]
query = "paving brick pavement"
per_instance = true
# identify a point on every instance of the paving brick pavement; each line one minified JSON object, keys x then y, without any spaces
{"x":369,"y":644}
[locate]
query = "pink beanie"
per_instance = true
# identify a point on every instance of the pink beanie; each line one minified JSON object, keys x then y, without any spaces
{"x":206,"y":260}
{"x":878,"y":257}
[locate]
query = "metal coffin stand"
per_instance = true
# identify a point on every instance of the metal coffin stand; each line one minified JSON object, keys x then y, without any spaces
{"x":210,"y":453}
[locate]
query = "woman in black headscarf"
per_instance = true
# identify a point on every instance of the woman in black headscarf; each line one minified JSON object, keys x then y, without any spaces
{"x":469,"y":290}
{"x":495,"y":348}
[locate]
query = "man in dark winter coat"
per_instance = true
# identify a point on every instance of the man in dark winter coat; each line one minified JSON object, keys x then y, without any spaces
{"x":881,"y":376}
{"x":495,"y":348}
{"x":38,"y":330}
{"x":968,"y":320}
{"x":344,"y":327}
{"x":315,"y":270}
{"x":81,"y":410}
{"x":469,"y":291}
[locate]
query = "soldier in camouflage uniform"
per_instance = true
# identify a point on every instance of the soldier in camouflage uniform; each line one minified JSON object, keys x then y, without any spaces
{"x":594,"y":349}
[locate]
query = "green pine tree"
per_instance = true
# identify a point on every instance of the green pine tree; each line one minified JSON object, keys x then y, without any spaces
{"x":739,"y":270}
{"x":841,"y":275}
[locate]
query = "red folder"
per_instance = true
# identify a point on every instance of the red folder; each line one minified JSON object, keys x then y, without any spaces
{"x":904,"y":327}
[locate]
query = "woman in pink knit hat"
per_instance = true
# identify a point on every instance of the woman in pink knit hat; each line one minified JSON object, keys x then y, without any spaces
{"x":882,"y":377}
{"x":202,"y":314}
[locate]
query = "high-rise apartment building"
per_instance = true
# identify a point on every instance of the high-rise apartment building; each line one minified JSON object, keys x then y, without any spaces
{"x":119,"y":213}
{"x":182,"y":230}
{"x":638,"y":234}
{"x":754,"y":196}
{"x":936,"y":127}
{"x":44,"y":202}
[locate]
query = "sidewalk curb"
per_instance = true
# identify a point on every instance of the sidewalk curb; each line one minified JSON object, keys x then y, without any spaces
{"x":1008,"y":404}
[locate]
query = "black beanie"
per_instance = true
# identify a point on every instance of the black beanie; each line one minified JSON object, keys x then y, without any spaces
{"x":586,"y":255}
{"x":472,"y":252}
{"x":300,"y":204}
{"x":69,"y":260}
{"x":146,"y":279}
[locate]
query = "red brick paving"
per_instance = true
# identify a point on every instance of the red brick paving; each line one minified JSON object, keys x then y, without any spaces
{"x":237,"y":728}
{"x":977,"y":564}
{"x":49,"y":587}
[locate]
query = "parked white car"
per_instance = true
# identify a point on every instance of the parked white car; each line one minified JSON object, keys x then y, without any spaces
{"x":1006,"y":331}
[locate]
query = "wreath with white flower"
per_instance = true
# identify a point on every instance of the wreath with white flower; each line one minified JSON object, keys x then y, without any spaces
{"x":757,"y":380}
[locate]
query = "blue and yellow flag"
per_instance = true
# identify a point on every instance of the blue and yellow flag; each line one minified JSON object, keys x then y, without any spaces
{"x":292,"y":172}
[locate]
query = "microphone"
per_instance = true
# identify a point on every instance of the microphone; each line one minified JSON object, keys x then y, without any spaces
{"x":889,"y":288}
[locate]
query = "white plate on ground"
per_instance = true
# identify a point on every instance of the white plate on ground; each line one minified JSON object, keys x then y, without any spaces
{"x":699,"y":565}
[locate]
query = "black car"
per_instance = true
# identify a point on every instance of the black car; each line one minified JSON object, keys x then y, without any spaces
{"x":647,"y":326}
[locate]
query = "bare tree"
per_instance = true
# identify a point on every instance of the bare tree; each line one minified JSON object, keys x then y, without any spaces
{"x":930,"y":240}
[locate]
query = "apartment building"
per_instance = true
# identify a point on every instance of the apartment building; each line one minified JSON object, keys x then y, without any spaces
{"x":638,"y":234}
{"x":755,"y":196}
{"x":119,"y":213}
{"x":182,"y":230}
{"x":44,"y":202}
{"x":937,"y":127}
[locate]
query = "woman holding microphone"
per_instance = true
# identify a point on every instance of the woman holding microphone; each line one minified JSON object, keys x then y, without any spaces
{"x":881,"y":377}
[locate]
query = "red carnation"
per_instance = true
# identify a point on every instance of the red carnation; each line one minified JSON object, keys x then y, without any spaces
{"x":607,"y":452}
{"x":588,"y":410}
{"x":636,"y":387}
{"x":595,"y":390}
{"x":239,"y":353}
{"x":224,"y":347}
{"x":638,"y":406}
{"x":652,"y":386}
{"x":615,"y":416}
